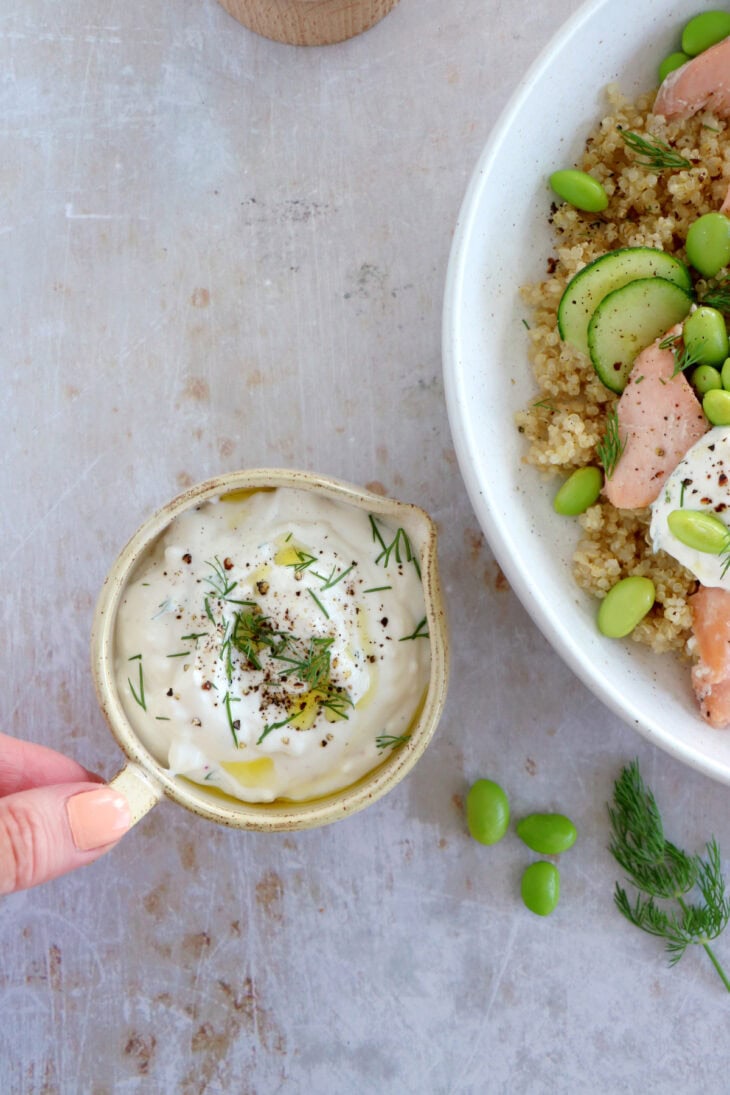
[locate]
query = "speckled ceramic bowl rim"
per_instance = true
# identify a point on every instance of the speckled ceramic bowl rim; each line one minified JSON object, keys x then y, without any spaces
{"x":145,"y":780}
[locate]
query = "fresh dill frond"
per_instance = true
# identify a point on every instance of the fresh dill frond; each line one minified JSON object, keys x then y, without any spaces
{"x":333,"y":578}
{"x":253,"y":632}
{"x":303,"y":560}
{"x":391,"y":741}
{"x":611,"y":447}
{"x":653,"y":153}
{"x":138,"y":693}
{"x":318,"y":603}
{"x":662,"y":872}
{"x":312,"y":665}
{"x":274,"y":726}
{"x":418,"y":633}
{"x":719,"y":297}
{"x":400,"y":548}
{"x":233,"y":724}
{"x":218,"y":581}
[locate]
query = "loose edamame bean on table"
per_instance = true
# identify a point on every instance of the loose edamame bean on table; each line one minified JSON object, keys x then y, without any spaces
{"x":547,"y":834}
{"x":716,"y":405}
{"x":708,"y":243}
{"x":487,"y":811}
{"x":626,"y":604}
{"x":580,"y":190}
{"x":705,"y":336}
{"x":579,"y":491}
{"x":705,"y":30}
{"x":541,"y":888}
{"x":699,"y":530}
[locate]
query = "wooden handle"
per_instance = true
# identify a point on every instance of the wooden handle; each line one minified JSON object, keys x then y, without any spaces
{"x":308,"y":22}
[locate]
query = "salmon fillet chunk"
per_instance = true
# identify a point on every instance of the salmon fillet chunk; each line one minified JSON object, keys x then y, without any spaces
{"x":659,"y":419}
{"x":710,"y":609}
{"x":703,"y":82}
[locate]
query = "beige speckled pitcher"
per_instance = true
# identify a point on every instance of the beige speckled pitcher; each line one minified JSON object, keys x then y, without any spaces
{"x":145,"y":780}
{"x":308,"y":22}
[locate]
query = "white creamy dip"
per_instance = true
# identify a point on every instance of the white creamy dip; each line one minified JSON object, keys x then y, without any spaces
{"x":274,"y":644}
{"x":700,"y":481}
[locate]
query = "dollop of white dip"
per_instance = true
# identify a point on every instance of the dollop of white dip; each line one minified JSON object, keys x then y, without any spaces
{"x":700,"y":481}
{"x":274,"y":645}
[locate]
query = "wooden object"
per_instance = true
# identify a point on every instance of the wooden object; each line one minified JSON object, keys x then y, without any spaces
{"x":308,"y":22}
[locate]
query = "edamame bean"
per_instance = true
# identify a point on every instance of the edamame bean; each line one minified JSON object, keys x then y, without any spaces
{"x":705,"y":336}
{"x":699,"y":530}
{"x":541,"y":888}
{"x":625,"y":605}
{"x":716,"y":406}
{"x":705,"y":30}
{"x":547,"y":834}
{"x":708,"y":243}
{"x":580,"y":190}
{"x":705,"y":378}
{"x":487,"y":811}
{"x":725,"y":373}
{"x":579,"y":491}
{"x":670,"y":63}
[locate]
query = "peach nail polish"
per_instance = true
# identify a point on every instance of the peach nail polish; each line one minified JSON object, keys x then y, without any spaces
{"x":97,"y":817}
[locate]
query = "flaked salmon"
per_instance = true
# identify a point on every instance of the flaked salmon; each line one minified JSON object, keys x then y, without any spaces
{"x":659,"y":419}
{"x":710,"y":609}
{"x":703,"y":82}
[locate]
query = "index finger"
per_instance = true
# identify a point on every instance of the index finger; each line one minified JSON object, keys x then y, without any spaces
{"x":24,"y":765}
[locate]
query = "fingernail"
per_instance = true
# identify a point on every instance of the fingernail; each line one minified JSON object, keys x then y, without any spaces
{"x":97,"y":818}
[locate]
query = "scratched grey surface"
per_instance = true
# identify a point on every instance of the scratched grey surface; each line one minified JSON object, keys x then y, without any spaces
{"x":218,"y":252}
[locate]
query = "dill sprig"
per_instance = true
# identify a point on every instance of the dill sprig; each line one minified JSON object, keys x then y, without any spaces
{"x":304,"y":560}
{"x":252,"y":632}
{"x":611,"y":447}
{"x":274,"y":726}
{"x":683,"y":357}
{"x":234,"y":724}
{"x":138,"y":693}
{"x":400,"y":547}
{"x":312,"y":665}
{"x":660,"y":871}
{"x":418,"y":633}
{"x":391,"y":741}
{"x":719,"y":297}
{"x":654,"y":153}
{"x":333,"y":578}
{"x":219,"y":581}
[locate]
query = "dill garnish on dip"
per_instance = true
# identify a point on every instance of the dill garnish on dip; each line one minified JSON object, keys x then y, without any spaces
{"x":271,"y":644}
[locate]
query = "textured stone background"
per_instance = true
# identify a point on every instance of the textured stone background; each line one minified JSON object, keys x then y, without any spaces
{"x":218,"y":252}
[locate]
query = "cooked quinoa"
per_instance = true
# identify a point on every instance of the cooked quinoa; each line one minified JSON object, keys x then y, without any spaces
{"x":566,"y":418}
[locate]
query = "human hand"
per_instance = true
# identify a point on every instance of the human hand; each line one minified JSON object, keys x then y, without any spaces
{"x":54,"y":815}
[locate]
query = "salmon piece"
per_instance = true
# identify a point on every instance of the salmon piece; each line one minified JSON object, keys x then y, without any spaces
{"x":659,"y":418}
{"x":711,"y":675}
{"x":703,"y":82}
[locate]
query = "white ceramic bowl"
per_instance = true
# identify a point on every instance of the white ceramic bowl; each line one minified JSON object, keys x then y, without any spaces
{"x":503,"y":240}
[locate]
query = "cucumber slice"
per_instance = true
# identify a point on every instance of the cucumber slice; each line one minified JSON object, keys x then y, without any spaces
{"x":628,"y":320}
{"x":587,"y":289}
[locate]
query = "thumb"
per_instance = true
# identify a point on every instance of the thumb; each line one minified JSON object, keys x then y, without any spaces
{"x":47,"y":831}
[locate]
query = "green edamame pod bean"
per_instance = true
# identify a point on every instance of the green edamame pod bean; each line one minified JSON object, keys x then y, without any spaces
{"x":725,"y":373}
{"x":705,"y":378}
{"x":547,"y":834}
{"x":580,"y":190}
{"x":699,"y":530}
{"x":708,"y":243}
{"x":670,"y":63}
{"x":579,"y":491}
{"x":705,"y":30}
{"x":487,"y":811}
{"x":705,"y":336}
{"x":541,"y":888}
{"x":625,"y":605}
{"x":716,"y":406}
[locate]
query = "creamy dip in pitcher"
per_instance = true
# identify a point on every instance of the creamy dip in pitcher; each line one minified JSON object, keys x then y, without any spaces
{"x":274,"y":644}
